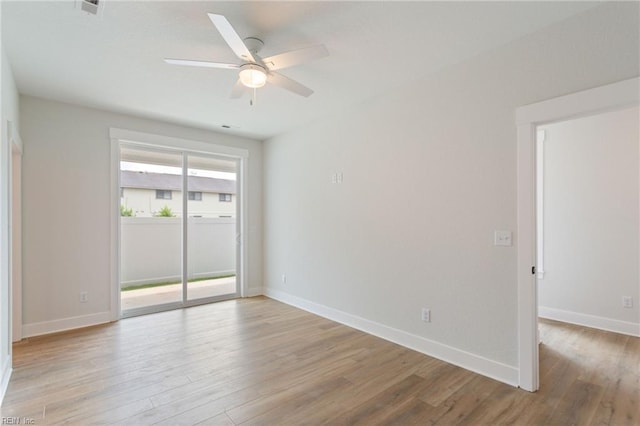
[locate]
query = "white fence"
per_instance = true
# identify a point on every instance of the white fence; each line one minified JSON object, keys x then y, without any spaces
{"x":151,"y":248}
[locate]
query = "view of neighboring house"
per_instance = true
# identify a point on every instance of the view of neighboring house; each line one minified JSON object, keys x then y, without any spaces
{"x":147,"y":193}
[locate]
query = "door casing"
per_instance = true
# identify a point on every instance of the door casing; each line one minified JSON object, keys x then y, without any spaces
{"x":611,"y":97}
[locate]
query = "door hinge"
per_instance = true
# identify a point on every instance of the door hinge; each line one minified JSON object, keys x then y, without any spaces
{"x":533,"y":270}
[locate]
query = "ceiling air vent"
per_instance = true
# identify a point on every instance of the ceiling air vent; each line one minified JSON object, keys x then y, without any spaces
{"x":90,"y":6}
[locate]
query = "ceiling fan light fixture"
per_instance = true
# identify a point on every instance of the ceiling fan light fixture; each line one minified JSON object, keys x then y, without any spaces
{"x":253,"y":76}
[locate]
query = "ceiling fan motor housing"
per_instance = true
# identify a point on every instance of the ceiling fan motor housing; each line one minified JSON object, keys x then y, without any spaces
{"x":254,"y":44}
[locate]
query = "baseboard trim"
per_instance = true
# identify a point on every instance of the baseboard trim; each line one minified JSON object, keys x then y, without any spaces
{"x":486,"y":367}
{"x":64,"y":324}
{"x":593,"y":321}
{"x":6,"y":376}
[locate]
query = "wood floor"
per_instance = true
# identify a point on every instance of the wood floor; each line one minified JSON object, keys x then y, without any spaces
{"x":259,"y":362}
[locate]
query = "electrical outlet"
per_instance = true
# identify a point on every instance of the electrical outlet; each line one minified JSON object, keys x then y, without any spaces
{"x":426,"y":315}
{"x":627,"y":302}
{"x":284,"y":278}
{"x":84,"y":297}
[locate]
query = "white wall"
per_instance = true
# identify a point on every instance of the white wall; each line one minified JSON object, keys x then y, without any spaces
{"x":429,"y":174}
{"x":591,"y":220}
{"x":66,"y":204}
{"x":9,"y":113}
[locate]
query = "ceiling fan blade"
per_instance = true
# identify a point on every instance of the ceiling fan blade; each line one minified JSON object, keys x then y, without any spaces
{"x":288,"y":84}
{"x":238,"y":90}
{"x":231,"y":37}
{"x":205,"y":64}
{"x":295,"y":57}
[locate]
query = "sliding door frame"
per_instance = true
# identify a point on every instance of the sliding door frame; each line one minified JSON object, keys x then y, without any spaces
{"x":187,"y":155}
{"x":188,"y":147}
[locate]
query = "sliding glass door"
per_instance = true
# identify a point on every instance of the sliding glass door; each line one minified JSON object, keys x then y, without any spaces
{"x":212,"y":205}
{"x":178,"y":229}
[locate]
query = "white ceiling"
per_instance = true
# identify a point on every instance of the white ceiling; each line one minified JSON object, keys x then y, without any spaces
{"x":115,"y":61}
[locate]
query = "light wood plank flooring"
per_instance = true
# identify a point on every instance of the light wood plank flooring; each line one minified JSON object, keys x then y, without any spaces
{"x":260,"y":362}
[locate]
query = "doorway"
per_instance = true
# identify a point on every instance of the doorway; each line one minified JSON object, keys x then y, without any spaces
{"x":587,"y":220}
{"x":179,"y":228}
{"x":590,"y":102}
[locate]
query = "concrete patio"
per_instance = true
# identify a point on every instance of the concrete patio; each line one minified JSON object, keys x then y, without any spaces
{"x":143,"y":297}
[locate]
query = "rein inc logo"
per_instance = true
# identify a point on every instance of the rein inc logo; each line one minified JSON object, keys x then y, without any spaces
{"x":18,"y":421}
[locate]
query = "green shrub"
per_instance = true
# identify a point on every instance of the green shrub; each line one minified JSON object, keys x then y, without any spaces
{"x":125,"y":211}
{"x":165,"y":212}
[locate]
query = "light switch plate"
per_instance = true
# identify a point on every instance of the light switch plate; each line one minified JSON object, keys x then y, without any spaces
{"x":502,"y":238}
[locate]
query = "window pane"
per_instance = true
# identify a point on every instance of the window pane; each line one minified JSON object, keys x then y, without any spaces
{"x":211,"y":250}
{"x":162,"y":194}
{"x":150,"y":228}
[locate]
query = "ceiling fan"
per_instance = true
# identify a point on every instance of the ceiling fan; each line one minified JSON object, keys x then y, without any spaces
{"x":255,"y":71}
